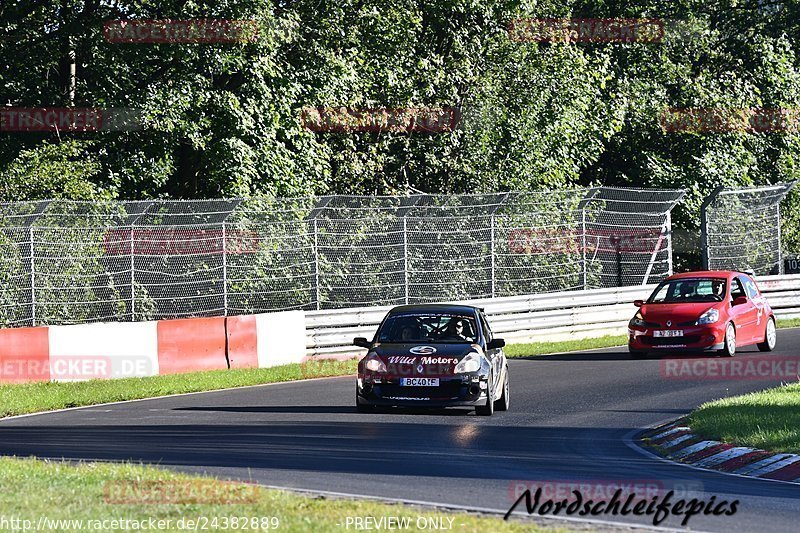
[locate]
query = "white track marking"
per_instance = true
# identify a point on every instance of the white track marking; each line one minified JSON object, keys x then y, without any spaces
{"x":721,"y":457}
{"x":689,"y":450}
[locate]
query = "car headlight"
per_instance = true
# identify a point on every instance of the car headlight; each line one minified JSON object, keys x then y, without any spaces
{"x":709,"y":317}
{"x":373,"y":363}
{"x":470,"y":363}
{"x":638,"y":319}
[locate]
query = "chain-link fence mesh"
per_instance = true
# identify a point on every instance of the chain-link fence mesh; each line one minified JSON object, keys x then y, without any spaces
{"x":70,"y":262}
{"x":741,"y":229}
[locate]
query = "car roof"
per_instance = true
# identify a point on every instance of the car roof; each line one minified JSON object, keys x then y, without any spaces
{"x":706,"y":274}
{"x":435,"y":308}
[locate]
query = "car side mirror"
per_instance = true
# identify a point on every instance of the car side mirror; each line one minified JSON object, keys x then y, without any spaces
{"x":740,"y":300}
{"x":638,"y":303}
{"x":495,"y":343}
{"x":361,"y":341}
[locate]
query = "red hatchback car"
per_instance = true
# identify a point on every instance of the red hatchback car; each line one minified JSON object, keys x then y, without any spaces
{"x":706,"y":310}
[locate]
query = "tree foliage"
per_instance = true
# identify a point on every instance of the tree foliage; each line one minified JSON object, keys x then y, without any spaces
{"x":225,"y":119}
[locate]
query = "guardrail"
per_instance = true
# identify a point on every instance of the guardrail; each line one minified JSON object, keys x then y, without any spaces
{"x":531,"y":318}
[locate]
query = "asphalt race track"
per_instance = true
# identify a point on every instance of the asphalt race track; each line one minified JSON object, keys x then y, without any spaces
{"x":569,"y":417}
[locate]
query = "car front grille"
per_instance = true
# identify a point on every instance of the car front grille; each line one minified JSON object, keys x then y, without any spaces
{"x":448,"y":389}
{"x":670,"y":341}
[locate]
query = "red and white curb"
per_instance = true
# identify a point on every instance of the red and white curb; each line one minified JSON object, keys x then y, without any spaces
{"x":676,"y":441}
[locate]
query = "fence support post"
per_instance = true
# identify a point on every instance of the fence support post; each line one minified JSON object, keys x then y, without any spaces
{"x":33,"y":279}
{"x":405,"y":258}
{"x":778,"y":218}
{"x":703,"y":226}
{"x":670,"y":242}
{"x":224,"y":270}
{"x":133,"y":279}
{"x":583,"y":248}
{"x":492,"y":253}
{"x":316,"y":266}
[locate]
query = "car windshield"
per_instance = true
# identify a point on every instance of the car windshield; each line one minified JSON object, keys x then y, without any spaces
{"x":428,"y":327}
{"x":689,"y":290}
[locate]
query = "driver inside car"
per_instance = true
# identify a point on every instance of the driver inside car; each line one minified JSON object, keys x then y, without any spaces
{"x":456,"y":330}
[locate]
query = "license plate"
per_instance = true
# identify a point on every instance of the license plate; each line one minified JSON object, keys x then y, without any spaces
{"x":668,"y":333}
{"x":419,"y":382}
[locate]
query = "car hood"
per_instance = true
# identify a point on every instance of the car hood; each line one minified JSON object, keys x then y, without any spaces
{"x":680,"y":314}
{"x":418,"y":359}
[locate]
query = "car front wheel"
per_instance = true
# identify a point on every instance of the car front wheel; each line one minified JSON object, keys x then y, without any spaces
{"x":362,"y":407}
{"x":637,"y":354}
{"x":729,"y":346}
{"x":488,"y":408}
{"x":505,"y":400}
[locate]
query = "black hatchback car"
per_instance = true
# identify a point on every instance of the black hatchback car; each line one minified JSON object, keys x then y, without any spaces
{"x":433,"y":355}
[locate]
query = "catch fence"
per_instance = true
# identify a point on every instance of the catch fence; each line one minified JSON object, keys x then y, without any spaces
{"x":741,"y":229}
{"x":67,"y":262}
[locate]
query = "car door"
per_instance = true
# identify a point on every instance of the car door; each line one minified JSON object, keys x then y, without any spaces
{"x":760,"y":304}
{"x":745,"y":315}
{"x":495,"y":355}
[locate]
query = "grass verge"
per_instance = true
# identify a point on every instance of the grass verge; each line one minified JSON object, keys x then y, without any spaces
{"x":769,"y":419}
{"x":17,"y":399}
{"x":544,"y":348}
{"x":42,"y":492}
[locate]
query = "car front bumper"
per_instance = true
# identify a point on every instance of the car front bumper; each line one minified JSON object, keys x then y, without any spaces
{"x":703,"y":338}
{"x":462,"y":390}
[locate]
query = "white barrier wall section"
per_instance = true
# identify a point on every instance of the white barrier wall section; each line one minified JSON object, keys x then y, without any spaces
{"x":545,"y":317}
{"x":103,"y":350}
{"x":281,"y":338}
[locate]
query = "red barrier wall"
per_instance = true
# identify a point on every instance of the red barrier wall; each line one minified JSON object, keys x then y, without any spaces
{"x":242,"y":341}
{"x":191,"y":345}
{"x":24,"y":355}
